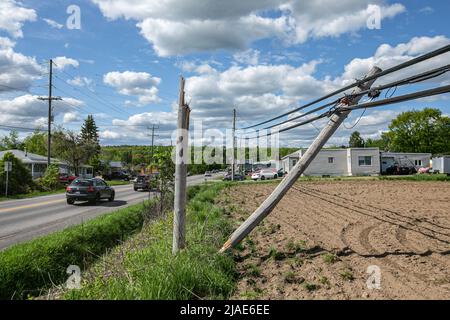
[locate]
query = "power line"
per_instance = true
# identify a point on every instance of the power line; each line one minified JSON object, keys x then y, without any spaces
{"x":403,"y":98}
{"x":374,"y":91}
{"x":358,"y":83}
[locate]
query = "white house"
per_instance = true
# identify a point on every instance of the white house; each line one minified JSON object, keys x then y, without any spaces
{"x":338,"y":162}
{"x":388,"y":159}
{"x":37,"y":164}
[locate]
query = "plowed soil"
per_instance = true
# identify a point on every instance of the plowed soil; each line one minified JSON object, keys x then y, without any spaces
{"x":326,"y":239}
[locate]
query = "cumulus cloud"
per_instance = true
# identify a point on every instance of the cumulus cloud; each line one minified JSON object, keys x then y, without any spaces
{"x":28,"y":110}
{"x":249,"y":56}
{"x":13,"y":16}
{"x":177,"y":28}
{"x":17,"y":71}
{"x":140,"y":84}
{"x":62,"y":62}
{"x":72,"y":116}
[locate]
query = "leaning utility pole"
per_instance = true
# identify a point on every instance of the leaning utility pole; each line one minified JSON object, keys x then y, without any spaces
{"x":233,"y":163}
{"x":269,"y":204}
{"x":50,"y":98}
{"x":179,"y":219}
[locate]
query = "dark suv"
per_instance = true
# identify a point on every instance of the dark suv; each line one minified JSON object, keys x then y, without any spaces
{"x":92,"y":190}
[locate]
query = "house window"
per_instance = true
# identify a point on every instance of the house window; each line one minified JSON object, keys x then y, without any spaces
{"x":330,"y":160}
{"x":365,"y":161}
{"x":418,"y":162}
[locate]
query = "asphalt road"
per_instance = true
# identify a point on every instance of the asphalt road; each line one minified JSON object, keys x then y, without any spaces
{"x":22,"y":220}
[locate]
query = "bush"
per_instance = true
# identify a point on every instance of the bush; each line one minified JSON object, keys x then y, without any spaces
{"x":20,"y":180}
{"x":50,"y":180}
{"x":27,"y":268}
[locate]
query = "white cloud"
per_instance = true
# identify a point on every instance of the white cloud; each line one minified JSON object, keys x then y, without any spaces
{"x":72,"y":116}
{"x":80,"y":82}
{"x":6,"y":43}
{"x":13,"y":15}
{"x":28,"y":110}
{"x":63,"y":62}
{"x":53,"y":24}
{"x":17,"y":71}
{"x":249,"y":56}
{"x":178,"y":28}
{"x":140,"y":84}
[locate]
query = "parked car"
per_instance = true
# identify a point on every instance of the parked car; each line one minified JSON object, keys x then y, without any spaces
{"x":92,"y":190}
{"x":117,"y":175}
{"x":281,"y":173}
{"x":237,"y":177}
{"x":215,"y":171}
{"x":65,"y":178}
{"x":264,"y":175}
{"x":208,"y":174}
{"x":401,"y":170}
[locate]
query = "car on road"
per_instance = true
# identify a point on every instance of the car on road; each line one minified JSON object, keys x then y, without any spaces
{"x":91,"y":190}
{"x":142,"y":182}
{"x":237,"y":177}
{"x":117,"y":175}
{"x":208,"y":174}
{"x":264,"y":175}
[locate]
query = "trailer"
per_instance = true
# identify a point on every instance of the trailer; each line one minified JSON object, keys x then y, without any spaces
{"x":441,"y":164}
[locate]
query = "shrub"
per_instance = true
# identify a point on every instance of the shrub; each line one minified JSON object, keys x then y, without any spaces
{"x":19,"y":179}
{"x":50,"y":180}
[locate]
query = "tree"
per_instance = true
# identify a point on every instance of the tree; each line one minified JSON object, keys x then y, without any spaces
{"x":356,"y":141}
{"x":19,"y":179}
{"x":12,"y":141}
{"x":425,"y":131}
{"x":89,"y":137}
{"x":36,"y":143}
{"x":69,"y":147}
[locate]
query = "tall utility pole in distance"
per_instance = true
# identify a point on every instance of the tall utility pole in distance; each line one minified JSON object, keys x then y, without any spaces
{"x":233,"y":164}
{"x":153,"y":128}
{"x":50,"y":99}
{"x":180,"y":194}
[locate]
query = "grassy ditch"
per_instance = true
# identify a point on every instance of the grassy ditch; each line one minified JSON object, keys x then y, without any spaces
{"x":28,"y":268}
{"x":144,"y":267}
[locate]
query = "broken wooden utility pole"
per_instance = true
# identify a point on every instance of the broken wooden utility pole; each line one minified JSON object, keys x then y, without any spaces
{"x":179,"y":219}
{"x":269,"y":204}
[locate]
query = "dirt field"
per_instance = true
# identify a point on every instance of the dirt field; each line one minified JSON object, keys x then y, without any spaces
{"x":320,"y":240}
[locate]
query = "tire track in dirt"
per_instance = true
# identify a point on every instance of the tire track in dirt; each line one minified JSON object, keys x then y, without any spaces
{"x":409,"y":219}
{"x":383,"y":218}
{"x":363,"y":239}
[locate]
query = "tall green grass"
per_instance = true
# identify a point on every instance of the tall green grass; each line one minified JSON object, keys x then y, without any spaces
{"x":418,"y":177}
{"x":28,"y":268}
{"x":144,"y":267}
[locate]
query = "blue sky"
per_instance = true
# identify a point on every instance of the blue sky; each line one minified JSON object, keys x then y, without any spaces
{"x":262,"y":57}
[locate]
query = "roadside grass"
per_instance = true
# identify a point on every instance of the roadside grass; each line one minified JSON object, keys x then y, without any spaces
{"x":144,"y":267}
{"x":29,"y":268}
